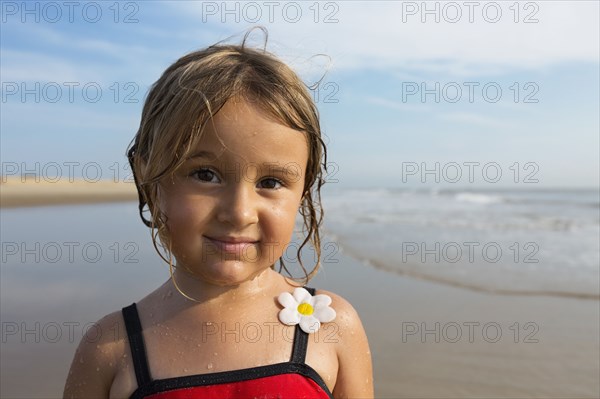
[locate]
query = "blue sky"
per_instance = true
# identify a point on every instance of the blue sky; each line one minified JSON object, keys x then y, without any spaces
{"x":538,"y":62}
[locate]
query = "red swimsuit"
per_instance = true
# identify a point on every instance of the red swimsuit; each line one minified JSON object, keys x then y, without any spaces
{"x":293,"y":379}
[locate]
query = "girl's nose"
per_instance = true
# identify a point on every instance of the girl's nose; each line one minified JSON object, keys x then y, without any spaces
{"x":238,"y":207}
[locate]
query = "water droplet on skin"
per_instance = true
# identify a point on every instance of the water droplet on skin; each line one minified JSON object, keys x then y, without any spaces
{"x":97,"y":346}
{"x":209,"y":366}
{"x":169,"y":294}
{"x":124,"y":355}
{"x":97,"y":368}
{"x":110,"y":364}
{"x":81,"y":360}
{"x":198,"y":345}
{"x":185,"y":370}
{"x":151,"y":314}
{"x":215,"y":353}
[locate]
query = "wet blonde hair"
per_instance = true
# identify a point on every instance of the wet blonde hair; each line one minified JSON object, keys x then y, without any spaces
{"x":191,"y":92}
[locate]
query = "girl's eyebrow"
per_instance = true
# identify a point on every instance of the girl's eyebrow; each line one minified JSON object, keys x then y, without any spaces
{"x":285,"y":170}
{"x":202,"y":154}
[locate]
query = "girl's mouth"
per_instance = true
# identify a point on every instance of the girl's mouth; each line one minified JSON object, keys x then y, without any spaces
{"x":231,"y":244}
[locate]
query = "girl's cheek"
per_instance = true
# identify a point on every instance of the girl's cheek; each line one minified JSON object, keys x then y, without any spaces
{"x":166,"y":200}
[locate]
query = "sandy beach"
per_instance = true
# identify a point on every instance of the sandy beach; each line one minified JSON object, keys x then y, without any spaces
{"x":428,"y":340}
{"x":435,"y":341}
{"x":19,"y":192}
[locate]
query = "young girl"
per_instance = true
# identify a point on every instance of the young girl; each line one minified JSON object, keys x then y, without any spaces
{"x":227,"y":154}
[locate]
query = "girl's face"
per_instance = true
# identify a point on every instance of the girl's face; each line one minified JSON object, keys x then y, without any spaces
{"x":231,"y":207}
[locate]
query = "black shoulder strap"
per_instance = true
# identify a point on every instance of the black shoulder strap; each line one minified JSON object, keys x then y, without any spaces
{"x":136,"y":343}
{"x":300,"y":340}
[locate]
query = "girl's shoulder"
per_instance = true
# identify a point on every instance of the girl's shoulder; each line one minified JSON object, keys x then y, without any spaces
{"x":98,"y":357}
{"x":346,"y":315}
{"x":355,"y":373}
{"x":347,"y":318}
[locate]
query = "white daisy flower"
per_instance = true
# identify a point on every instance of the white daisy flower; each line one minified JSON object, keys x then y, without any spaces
{"x":301,"y":307}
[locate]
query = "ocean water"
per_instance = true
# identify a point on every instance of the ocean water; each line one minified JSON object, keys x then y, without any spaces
{"x":525,"y":242}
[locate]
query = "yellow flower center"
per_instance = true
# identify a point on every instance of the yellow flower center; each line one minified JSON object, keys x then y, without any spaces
{"x":305,"y":309}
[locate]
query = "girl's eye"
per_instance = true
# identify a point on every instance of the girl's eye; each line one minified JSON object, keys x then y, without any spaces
{"x":272,"y":181}
{"x":204,"y":174}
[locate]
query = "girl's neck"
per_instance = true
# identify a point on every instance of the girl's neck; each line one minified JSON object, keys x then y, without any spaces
{"x":198,"y":291}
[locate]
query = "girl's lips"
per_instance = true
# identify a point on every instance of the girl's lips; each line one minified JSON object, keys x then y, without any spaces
{"x":233,"y":247}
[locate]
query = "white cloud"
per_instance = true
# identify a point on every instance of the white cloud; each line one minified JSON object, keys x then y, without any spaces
{"x":367,"y":36}
{"x":372,"y":35}
{"x":459,"y":117}
{"x":26,"y":66}
{"x":60,"y":117}
{"x":54,"y":65}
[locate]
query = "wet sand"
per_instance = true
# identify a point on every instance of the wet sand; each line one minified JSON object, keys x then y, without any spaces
{"x":437,"y":341}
